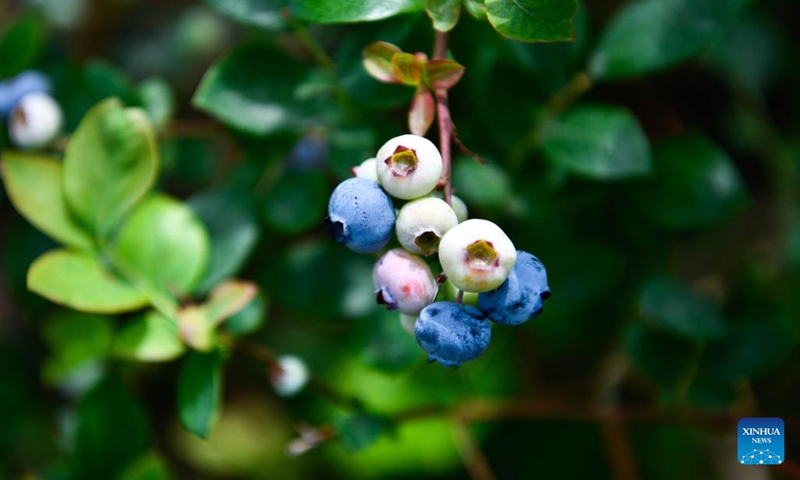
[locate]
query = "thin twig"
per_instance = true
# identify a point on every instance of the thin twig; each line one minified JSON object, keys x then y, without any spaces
{"x":470,"y":451}
{"x":445,"y":123}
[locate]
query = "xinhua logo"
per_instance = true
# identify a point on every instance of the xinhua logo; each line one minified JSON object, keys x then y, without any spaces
{"x":761,"y":441}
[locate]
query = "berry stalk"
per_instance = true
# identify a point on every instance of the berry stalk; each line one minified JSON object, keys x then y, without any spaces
{"x":445,"y":124}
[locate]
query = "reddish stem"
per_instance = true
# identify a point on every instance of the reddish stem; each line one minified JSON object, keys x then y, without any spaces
{"x":445,"y":124}
{"x":460,"y":297}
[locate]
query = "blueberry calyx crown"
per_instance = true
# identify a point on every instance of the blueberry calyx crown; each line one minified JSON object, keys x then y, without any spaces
{"x":481,"y":255}
{"x":403,"y":161}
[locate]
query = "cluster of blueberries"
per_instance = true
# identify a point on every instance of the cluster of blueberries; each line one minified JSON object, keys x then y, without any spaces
{"x":477,"y":258}
{"x":34,"y":117}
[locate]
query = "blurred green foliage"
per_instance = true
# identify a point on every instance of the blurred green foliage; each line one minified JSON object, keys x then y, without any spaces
{"x":651,"y":163}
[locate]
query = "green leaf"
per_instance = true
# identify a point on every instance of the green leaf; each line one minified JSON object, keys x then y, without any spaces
{"x":752,"y":348}
{"x":162,"y":246}
{"x":296,"y":202}
{"x":258,"y":13}
{"x":78,"y":281}
{"x":111,"y":432}
{"x":598,"y":141}
{"x":200,"y":392}
{"x":671,"y":305}
{"x":487,"y":186}
{"x":440,"y":73}
{"x":476,"y":8}
{"x":662,"y":357}
{"x":75,"y":340}
{"x":407,"y":68}
{"x":110,"y":164}
{"x":21,"y":42}
{"x":378,"y":60}
{"x":158,"y":100}
{"x":695,"y":184}
{"x":150,"y":337}
{"x":246,"y":91}
{"x":444,"y":13}
{"x":233,"y":232}
{"x":360,"y":431}
{"x":250,"y":318}
{"x":149,"y":467}
{"x":533,"y":20}
{"x":196,"y":327}
{"x":651,"y":35}
{"x":336,"y":11}
{"x":34,"y":185}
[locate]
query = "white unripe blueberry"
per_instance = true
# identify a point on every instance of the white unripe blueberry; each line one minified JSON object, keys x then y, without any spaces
{"x":458,"y":205}
{"x":290,"y":375}
{"x":367,"y":169}
{"x":409,"y":166}
{"x":403,"y":282}
{"x":35,"y":121}
{"x":421,"y":224}
{"x":476,"y":255}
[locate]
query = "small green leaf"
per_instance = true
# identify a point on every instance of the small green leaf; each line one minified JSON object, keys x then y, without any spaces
{"x":360,"y":431}
{"x":407,"y":68}
{"x":378,"y":60}
{"x":78,"y":281}
{"x":233,"y":232}
{"x":752,"y":348}
{"x":695,"y":184}
{"x":476,"y":8}
{"x":111,"y":432}
{"x":663,"y":357}
{"x":150,"y":337}
{"x":75,"y":340}
{"x":336,"y":11}
{"x":598,"y":141}
{"x":250,"y":318}
{"x":34,"y":185}
{"x":651,"y":35}
{"x":440,"y":73}
{"x":158,"y":100}
{"x":245,"y":91}
{"x":21,"y":43}
{"x":200,"y":392}
{"x":149,"y":467}
{"x":533,"y":20}
{"x":444,"y":13}
{"x":296,"y":202}
{"x":671,"y":305}
{"x":258,"y":13}
{"x":487,"y":186}
{"x":422,"y":112}
{"x":110,"y":163}
{"x":162,"y":246}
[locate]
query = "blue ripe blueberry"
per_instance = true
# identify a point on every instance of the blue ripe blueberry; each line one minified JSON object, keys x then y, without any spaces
{"x":361,"y":215}
{"x":452,"y":333}
{"x":520,"y":297}
{"x":11,"y":91}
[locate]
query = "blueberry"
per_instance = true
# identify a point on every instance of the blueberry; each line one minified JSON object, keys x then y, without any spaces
{"x":404,"y":282}
{"x":520,"y":297}
{"x":422,"y":223}
{"x":11,"y":91}
{"x":409,"y":166}
{"x":35,"y":121}
{"x":361,"y":215}
{"x":476,"y":255}
{"x":452,"y":333}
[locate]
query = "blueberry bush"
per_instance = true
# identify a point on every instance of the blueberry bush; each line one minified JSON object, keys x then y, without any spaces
{"x":289,"y":239}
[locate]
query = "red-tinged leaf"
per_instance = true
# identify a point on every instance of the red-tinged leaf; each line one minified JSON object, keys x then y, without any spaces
{"x":407,"y":68}
{"x":378,"y":61}
{"x":423,"y":109}
{"x":441,"y":73}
